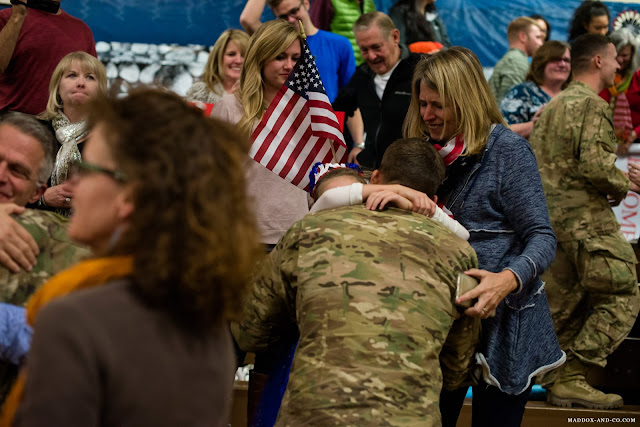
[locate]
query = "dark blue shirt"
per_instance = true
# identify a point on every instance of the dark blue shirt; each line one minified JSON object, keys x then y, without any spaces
{"x":522,"y":101}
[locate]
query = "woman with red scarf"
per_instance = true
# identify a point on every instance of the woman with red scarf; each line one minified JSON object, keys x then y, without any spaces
{"x":624,"y":95}
{"x":493,"y":189}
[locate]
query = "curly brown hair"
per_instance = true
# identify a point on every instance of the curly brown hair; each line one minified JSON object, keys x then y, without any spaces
{"x":192,"y":234}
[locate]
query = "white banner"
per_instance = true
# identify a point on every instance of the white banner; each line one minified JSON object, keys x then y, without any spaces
{"x":628,"y":212}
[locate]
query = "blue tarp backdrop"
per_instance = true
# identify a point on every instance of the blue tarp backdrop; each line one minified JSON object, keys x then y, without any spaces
{"x":477,"y":24}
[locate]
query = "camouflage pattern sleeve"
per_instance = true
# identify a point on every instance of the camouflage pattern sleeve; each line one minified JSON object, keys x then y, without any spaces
{"x":596,"y":152}
{"x":456,"y":357}
{"x":57,"y":252}
{"x":270,"y":306}
{"x":574,"y":145}
{"x":373,"y":297}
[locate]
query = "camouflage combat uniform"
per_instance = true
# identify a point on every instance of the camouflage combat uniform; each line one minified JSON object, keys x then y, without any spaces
{"x":57,"y":252}
{"x":591,"y":284}
{"x":372,"y":294}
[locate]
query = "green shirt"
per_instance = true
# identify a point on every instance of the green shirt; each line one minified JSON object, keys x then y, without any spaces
{"x":511,"y":70}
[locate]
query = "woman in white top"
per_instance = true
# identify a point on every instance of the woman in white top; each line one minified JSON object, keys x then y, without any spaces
{"x":222,"y":72}
{"x":272,"y":53}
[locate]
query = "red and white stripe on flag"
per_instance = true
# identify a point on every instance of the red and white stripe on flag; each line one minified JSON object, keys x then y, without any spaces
{"x":299,"y":127}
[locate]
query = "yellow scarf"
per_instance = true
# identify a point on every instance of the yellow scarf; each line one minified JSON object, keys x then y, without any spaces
{"x":86,"y":274}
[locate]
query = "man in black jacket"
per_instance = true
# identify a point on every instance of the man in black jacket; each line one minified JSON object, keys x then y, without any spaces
{"x":377,"y":97}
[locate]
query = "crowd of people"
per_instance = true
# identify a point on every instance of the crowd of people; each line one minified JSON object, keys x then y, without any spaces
{"x":467,"y":241}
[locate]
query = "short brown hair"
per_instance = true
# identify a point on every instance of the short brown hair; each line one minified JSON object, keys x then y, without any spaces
{"x":273,"y":3}
{"x":192,"y":234}
{"x":335,"y":173}
{"x":414,"y":163}
{"x":518,"y":25}
{"x":381,"y":20}
{"x":549,"y":51}
{"x":584,"y":48}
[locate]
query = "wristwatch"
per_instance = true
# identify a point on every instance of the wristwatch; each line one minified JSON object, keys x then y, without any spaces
{"x":359,"y":145}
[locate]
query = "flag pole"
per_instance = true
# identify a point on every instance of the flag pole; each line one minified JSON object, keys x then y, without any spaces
{"x":333,"y":150}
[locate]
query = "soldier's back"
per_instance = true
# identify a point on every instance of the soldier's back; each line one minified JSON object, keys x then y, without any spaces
{"x":374,"y":301}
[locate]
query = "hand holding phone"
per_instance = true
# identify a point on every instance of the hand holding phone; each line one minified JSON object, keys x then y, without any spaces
{"x":49,"y":6}
{"x":464,"y":284}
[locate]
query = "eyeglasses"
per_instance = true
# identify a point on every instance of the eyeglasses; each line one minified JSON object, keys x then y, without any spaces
{"x":565,"y":60}
{"x":293,"y":12}
{"x":83,"y":168}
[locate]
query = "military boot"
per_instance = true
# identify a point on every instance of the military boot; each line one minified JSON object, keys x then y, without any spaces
{"x":571,"y":388}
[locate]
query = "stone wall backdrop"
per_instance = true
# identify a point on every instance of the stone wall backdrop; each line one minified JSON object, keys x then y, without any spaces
{"x":129,"y":65}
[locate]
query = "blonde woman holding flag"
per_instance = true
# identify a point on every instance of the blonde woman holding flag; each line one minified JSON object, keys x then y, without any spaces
{"x":272,"y":53}
{"x":292,"y":126}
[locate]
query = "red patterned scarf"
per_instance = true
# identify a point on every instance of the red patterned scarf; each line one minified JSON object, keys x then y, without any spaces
{"x":451,"y":150}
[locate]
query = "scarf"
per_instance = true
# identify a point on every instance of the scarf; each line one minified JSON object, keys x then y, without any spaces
{"x":451,"y":150}
{"x":68,"y":134}
{"x":622,"y":123}
{"x":621,"y":85}
{"x":457,"y":165}
{"x":86,"y":274}
{"x":619,"y":104}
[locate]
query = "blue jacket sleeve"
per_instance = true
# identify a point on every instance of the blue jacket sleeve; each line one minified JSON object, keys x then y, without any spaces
{"x":15,"y":333}
{"x":525,"y":206}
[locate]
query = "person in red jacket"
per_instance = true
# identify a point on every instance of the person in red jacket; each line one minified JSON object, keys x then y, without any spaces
{"x":624,"y":95}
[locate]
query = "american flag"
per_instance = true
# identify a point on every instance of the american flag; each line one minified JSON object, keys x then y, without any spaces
{"x":299,"y":127}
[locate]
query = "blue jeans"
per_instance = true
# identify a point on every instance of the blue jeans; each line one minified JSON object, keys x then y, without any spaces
{"x":275,"y":363}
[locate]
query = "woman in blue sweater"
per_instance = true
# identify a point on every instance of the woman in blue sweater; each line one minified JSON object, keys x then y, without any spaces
{"x":493,"y":189}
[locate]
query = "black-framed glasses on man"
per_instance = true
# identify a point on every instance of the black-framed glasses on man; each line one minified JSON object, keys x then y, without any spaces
{"x":83,"y":168}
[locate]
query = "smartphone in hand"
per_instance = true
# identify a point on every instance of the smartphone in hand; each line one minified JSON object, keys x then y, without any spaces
{"x":464,"y":284}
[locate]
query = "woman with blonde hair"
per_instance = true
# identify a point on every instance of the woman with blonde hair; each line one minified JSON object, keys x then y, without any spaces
{"x":222,"y":72}
{"x":139,"y":335}
{"x":78,"y":78}
{"x":273,"y":51}
{"x":494,"y":190}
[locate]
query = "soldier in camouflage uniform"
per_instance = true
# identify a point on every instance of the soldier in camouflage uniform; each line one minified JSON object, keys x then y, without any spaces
{"x":26,"y":160}
{"x":372,"y":294}
{"x":591,"y":284}
{"x":57,"y":252}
